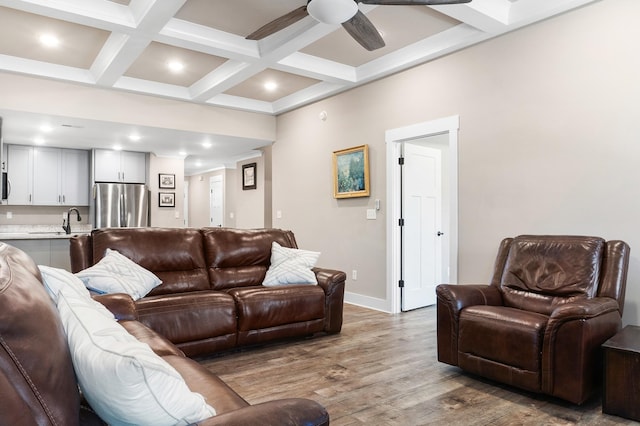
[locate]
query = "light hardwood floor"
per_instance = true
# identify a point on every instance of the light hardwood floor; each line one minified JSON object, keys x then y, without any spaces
{"x":382,"y":370}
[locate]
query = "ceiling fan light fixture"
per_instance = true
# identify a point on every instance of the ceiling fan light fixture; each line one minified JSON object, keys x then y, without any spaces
{"x":332,"y":11}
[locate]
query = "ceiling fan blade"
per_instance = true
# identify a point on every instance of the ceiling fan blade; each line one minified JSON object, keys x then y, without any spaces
{"x":279,"y":24}
{"x":413,"y":2}
{"x":364,"y":32}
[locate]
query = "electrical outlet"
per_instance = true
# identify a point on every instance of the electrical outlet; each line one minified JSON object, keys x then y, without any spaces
{"x":9,"y":215}
{"x":354,"y":275}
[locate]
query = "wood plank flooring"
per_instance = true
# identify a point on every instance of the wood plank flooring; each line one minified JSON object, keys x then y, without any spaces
{"x":382,"y":370}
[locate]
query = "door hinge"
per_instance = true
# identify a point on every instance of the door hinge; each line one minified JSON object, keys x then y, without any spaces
{"x":400,"y":222}
{"x":401,"y":161}
{"x":401,"y":283}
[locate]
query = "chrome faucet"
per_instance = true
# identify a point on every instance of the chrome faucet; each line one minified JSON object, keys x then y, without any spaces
{"x":66,"y":225}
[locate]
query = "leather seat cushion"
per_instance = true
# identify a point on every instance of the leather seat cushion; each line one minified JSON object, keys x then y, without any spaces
{"x":264,"y":307}
{"x":503,"y":335}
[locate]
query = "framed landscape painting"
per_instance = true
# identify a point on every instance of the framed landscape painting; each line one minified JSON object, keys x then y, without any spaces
{"x":351,"y":172}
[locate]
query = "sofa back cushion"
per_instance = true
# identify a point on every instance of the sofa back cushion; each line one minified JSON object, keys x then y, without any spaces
{"x":541,"y":272}
{"x":175,"y":255}
{"x":240,"y":257}
{"x":37,"y":382}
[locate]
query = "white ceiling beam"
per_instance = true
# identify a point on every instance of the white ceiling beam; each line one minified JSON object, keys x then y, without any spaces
{"x":223,"y":78}
{"x":208,"y":40}
{"x":153,"y":88}
{"x":121,"y":51}
{"x":101,"y":14}
{"x":237,"y":102}
{"x":318,"y":68}
{"x":489,"y":16}
{"x":44,"y":69}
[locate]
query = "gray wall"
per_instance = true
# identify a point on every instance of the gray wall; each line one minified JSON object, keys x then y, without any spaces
{"x":548,"y":143}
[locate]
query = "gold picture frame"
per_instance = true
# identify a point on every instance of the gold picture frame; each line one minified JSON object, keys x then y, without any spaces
{"x":351,"y":172}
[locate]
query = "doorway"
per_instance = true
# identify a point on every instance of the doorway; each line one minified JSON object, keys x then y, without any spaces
{"x":441,"y":250}
{"x":216,"y":201}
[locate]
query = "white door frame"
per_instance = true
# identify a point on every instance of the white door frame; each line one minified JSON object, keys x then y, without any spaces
{"x":394,"y":139}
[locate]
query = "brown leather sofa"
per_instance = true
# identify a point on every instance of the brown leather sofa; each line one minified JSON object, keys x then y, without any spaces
{"x":37,"y":381}
{"x":552,"y":301}
{"x":211,"y":298}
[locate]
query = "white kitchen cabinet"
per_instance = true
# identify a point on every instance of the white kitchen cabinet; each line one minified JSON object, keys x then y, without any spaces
{"x":20,"y":174}
{"x":119,"y":166}
{"x":74,"y":177}
{"x":48,"y":176}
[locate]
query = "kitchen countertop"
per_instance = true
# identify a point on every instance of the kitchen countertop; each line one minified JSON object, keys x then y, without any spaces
{"x":40,"y":232}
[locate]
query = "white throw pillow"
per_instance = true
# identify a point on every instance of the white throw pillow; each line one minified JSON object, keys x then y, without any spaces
{"x":55,"y":279}
{"x":116,"y":273}
{"x":123,"y":380}
{"x":291,"y":266}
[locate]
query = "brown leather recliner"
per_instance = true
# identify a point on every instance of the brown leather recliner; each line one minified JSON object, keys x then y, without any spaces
{"x":552,"y":301}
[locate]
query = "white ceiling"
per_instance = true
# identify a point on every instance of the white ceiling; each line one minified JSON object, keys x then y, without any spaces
{"x":126,"y":44}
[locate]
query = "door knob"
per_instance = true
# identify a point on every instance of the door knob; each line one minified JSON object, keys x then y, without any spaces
{"x":439,"y":233}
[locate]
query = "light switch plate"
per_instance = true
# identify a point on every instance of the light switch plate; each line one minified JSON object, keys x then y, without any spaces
{"x":371,"y":214}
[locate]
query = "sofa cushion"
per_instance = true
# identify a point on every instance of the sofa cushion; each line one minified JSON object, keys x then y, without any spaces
{"x":191,"y":317}
{"x":121,"y":378}
{"x":175,"y":255}
{"x":34,"y":388}
{"x":115,"y":273}
{"x":240,"y":257}
{"x":291,"y":266}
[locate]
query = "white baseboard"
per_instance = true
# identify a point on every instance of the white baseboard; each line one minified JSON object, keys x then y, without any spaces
{"x":367,"y":302}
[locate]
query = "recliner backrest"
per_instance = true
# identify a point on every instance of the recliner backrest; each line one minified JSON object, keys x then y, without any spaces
{"x":37,"y":382}
{"x":542,"y":272}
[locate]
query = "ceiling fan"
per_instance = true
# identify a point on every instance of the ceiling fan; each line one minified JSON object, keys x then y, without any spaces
{"x":343,"y":12}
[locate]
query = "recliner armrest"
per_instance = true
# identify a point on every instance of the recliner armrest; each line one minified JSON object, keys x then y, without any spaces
{"x":332,"y":282}
{"x":571,"y":350}
{"x":283,"y":412}
{"x":451,"y":300}
{"x":584,"y":309}
{"x":462,"y":295}
{"x":121,"y":305}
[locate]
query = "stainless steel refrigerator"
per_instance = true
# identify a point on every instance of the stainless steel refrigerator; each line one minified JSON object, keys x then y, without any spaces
{"x":119,"y":205}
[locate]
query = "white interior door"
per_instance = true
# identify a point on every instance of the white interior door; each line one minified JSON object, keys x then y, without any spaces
{"x":421,"y":233}
{"x":185,"y":204}
{"x":216,"y":201}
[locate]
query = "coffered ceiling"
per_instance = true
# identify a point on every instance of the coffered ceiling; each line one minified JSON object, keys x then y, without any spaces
{"x":128,"y":44}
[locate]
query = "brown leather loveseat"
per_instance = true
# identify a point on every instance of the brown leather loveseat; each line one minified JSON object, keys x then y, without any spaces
{"x":552,"y":301}
{"x":37,"y":381}
{"x":211,"y":298}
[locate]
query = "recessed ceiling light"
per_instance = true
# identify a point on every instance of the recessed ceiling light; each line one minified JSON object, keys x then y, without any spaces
{"x":271,"y":86}
{"x":46,"y":128}
{"x":182,"y":153}
{"x":198,"y":163}
{"x":175,"y":66}
{"x":39,"y":141}
{"x":134,"y":137}
{"x":117,"y":148}
{"x":206,"y":144}
{"x":49,"y":40}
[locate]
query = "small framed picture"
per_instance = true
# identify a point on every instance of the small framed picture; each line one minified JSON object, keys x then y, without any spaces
{"x":249,"y":176}
{"x":351,"y":172}
{"x":166,"y":181}
{"x":166,"y":199}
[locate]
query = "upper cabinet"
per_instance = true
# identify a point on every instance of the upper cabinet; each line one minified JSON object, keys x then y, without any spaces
{"x":47,"y":176}
{"x":119,"y":166}
{"x":20,"y":175}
